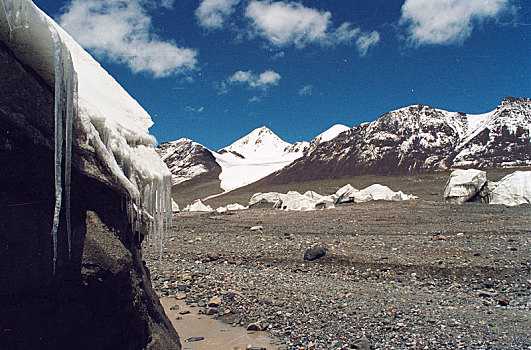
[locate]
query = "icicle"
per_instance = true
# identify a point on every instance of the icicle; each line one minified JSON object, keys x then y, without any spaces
{"x":71,"y":98}
{"x":58,"y":65}
{"x":14,"y":13}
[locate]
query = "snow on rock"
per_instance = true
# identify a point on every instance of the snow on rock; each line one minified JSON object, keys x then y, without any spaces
{"x":331,"y":133}
{"x":464,"y":185}
{"x":231,"y":207}
{"x":198,"y":206}
{"x":187,"y":160}
{"x":260,"y":143}
{"x":108,"y":121}
{"x":513,"y":189}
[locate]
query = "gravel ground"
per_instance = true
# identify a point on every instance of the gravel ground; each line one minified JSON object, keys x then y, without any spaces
{"x":396,"y":275}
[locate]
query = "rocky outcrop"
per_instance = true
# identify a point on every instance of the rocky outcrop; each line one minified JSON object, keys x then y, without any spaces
{"x":188,"y":160}
{"x":99,"y":296}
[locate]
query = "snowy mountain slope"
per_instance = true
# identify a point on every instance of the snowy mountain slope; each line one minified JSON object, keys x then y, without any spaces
{"x":421,"y":138}
{"x":327,"y":135}
{"x":188,"y":160}
{"x":500,"y":138}
{"x":330,"y":134}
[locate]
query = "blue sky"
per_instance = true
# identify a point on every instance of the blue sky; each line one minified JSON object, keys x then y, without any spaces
{"x":213,"y":70}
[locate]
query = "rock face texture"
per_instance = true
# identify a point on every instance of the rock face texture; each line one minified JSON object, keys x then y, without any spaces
{"x":421,"y":138}
{"x":100,"y":295}
{"x":188,"y":160}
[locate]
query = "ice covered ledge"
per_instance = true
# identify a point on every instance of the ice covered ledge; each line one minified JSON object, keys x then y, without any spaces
{"x":100,"y":296}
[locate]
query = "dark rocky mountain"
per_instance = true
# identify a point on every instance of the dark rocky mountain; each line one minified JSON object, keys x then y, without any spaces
{"x":188,"y":160}
{"x":420,"y":138}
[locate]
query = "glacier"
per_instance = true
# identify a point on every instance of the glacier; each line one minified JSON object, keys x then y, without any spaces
{"x":93,"y":112}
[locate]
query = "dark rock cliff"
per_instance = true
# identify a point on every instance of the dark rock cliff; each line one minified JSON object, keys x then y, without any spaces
{"x":98,"y":298}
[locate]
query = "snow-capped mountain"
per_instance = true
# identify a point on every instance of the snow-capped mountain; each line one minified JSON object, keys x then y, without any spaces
{"x":261,"y":143}
{"x":248,"y":159}
{"x":188,"y":160}
{"x":414,"y":138}
{"x":421,"y":138}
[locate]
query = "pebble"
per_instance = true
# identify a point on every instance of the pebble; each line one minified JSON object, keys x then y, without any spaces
{"x":193,"y":339}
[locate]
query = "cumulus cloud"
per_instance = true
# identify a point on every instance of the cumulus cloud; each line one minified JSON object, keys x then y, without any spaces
{"x":261,"y":81}
{"x":291,"y":23}
{"x":121,"y":31}
{"x":447,"y":22}
{"x":212,"y":14}
{"x":306,"y":90}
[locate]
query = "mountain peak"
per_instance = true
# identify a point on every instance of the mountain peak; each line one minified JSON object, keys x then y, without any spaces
{"x":261,"y":142}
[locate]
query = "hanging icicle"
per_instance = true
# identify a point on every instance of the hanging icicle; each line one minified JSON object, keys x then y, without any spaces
{"x":58,"y":65}
{"x":71,"y":102}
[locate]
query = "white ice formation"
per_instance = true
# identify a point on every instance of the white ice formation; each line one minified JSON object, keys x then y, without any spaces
{"x":463,"y":185}
{"x":513,"y":189}
{"x":106,"y":120}
{"x":231,"y":207}
{"x":311,"y":200}
{"x":198,"y":206}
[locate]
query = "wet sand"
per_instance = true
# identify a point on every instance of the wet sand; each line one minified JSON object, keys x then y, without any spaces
{"x":217,"y":335}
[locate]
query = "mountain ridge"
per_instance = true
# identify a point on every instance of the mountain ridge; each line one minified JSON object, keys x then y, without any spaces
{"x":415,"y":138}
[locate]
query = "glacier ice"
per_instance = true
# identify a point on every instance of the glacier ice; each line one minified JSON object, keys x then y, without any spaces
{"x":109,"y":123}
{"x":16,"y":15}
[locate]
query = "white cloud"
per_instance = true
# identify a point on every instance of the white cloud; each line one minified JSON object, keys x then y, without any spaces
{"x":346,"y":33}
{"x":447,"y":21}
{"x":306,"y":90}
{"x":365,"y":41}
{"x":290,"y":23}
{"x":167,"y":3}
{"x":121,"y":31}
{"x":211,"y":14}
{"x":255,"y":99}
{"x":284,"y":24}
{"x":261,"y":81}
{"x":193,"y":110}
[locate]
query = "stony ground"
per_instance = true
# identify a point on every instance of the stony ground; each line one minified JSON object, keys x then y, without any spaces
{"x":412,"y":275}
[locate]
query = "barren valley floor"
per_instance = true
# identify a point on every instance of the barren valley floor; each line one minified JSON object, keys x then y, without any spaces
{"x":421,"y":274}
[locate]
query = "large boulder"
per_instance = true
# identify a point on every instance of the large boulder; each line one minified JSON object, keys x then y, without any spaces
{"x":513,"y":189}
{"x":464,"y":185}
